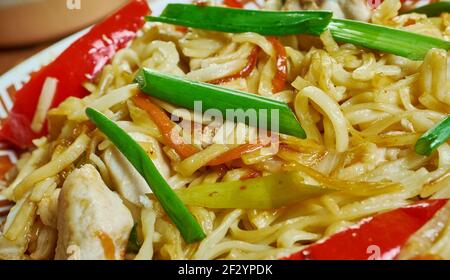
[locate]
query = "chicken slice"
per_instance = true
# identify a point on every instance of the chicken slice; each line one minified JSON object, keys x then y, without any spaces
{"x":334,"y":7}
{"x":127,"y":181}
{"x":356,"y":9}
{"x":92,"y":223}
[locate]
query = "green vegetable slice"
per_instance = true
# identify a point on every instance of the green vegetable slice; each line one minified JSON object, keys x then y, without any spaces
{"x":174,"y":207}
{"x":133,"y":244}
{"x":185,"y":93}
{"x":399,"y":42}
{"x":390,"y":40}
{"x":433,"y":138}
{"x":241,"y":20}
{"x":267,"y":192}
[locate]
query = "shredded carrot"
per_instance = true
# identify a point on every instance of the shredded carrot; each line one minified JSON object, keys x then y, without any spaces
{"x":245,"y":72}
{"x":108,"y":245}
{"x":234,"y":3}
{"x":237,"y":163}
{"x":165,"y":126}
{"x":235,"y":153}
{"x":279,"y":80}
{"x":239,"y":3}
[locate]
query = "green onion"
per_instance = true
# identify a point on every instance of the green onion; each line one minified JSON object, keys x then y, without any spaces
{"x":241,"y":20}
{"x":433,"y":138}
{"x":134,"y":244}
{"x":267,"y":192}
{"x":174,"y":207}
{"x":399,"y":42}
{"x":184,"y":93}
{"x":432,"y":10}
{"x":390,"y":40}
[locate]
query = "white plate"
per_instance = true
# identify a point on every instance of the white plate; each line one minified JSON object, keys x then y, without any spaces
{"x":20,"y":74}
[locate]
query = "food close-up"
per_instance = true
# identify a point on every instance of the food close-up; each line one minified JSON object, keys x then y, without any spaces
{"x":229,"y":130}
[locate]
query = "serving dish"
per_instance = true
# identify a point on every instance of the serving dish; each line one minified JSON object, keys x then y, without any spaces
{"x":338,"y":169}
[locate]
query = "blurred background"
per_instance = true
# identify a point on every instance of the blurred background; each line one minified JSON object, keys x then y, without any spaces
{"x":28,"y":26}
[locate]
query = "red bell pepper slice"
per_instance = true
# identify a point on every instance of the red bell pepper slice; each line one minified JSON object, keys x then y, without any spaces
{"x":281,"y":74}
{"x":234,"y":3}
{"x":79,"y":63}
{"x":238,"y":3}
{"x":245,"y":72}
{"x":378,"y":237}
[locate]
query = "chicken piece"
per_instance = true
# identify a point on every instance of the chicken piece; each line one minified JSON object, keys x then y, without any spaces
{"x":332,"y":5}
{"x":356,"y":9}
{"x":350,"y":9}
{"x":92,"y":223}
{"x":127,"y":181}
{"x":292,"y":5}
{"x":309,"y":4}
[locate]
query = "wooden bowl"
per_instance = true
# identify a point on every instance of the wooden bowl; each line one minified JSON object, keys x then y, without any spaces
{"x":27,"y":22}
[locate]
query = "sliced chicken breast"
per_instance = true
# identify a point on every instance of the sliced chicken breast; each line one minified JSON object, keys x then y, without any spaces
{"x":127,"y":181}
{"x":356,"y":9}
{"x":92,"y":223}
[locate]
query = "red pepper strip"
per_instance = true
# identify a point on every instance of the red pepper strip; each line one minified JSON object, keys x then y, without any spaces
{"x":238,"y":3}
{"x":234,"y":3}
{"x":81,"y":62}
{"x":182,"y":29}
{"x":279,"y":80}
{"x":165,"y":126}
{"x":245,"y":72}
{"x":235,"y":153}
{"x":384,"y":235}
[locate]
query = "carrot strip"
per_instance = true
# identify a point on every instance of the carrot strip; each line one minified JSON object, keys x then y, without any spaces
{"x":235,"y":153}
{"x":234,"y":3}
{"x":165,"y":126}
{"x":279,"y":80}
{"x":245,"y":72}
{"x":239,"y":3}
